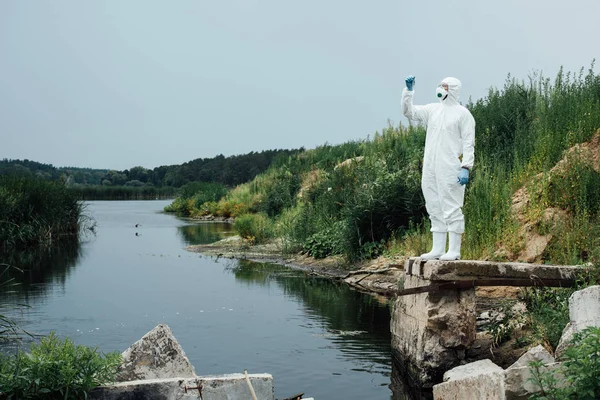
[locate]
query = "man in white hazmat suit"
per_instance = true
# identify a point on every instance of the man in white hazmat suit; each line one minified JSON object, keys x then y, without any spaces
{"x":450,"y":135}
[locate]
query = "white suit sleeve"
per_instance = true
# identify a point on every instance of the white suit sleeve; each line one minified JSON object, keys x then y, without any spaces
{"x":412,"y":112}
{"x":467,"y":132}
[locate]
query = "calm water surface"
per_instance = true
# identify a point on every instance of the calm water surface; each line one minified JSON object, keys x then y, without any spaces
{"x":312,"y":335}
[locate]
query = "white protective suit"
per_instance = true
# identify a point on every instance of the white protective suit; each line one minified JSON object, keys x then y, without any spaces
{"x":450,"y":134}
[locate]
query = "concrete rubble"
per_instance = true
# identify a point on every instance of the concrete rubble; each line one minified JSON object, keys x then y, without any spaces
{"x":225,"y":387}
{"x":478,"y":380}
{"x":156,"y":368}
{"x":432,"y":331}
{"x":485,"y":380}
{"x":584,"y":311}
{"x":156,"y":355}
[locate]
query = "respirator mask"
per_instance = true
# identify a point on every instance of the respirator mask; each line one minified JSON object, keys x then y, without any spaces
{"x":441,"y":93}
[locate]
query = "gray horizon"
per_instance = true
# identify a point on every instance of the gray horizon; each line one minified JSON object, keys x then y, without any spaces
{"x":114,"y":85}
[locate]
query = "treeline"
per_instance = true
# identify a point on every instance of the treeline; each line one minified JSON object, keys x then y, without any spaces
{"x":229,"y":171}
{"x":98,"y":192}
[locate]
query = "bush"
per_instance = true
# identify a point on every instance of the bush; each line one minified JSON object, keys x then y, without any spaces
{"x":576,"y":188}
{"x":255,"y":228}
{"x":56,"y":369}
{"x":192,"y":197}
{"x":548,"y":310}
{"x":279,"y":192}
{"x":327,"y":241}
{"x":580,"y":370}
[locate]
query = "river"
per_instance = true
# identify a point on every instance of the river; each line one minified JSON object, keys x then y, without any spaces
{"x":313,"y":335}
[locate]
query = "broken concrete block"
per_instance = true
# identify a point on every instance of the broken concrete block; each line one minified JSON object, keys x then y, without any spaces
{"x":471,"y":369}
{"x":221,"y":387}
{"x":478,"y":380}
{"x":518,"y":384}
{"x":157,"y":355}
{"x":584,"y":307}
{"x":537,"y":353}
{"x":584,"y":311}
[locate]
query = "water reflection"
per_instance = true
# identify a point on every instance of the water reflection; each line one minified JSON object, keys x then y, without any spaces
{"x":204,"y":233}
{"x":36,"y":267}
{"x":356,"y":324}
{"x":312,"y":334}
{"x":403,"y":387}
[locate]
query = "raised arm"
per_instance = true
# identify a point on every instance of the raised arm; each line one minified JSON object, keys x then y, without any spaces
{"x":410,"y":111}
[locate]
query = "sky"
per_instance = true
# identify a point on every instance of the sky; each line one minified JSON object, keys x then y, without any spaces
{"x":121,"y":83}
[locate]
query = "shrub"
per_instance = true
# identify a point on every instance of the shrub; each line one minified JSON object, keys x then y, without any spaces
{"x":578,"y":376}
{"x":192,"y":197}
{"x":575,"y":188}
{"x":56,"y":369}
{"x":253,"y":227}
{"x":327,"y":241}
{"x":548,"y":310}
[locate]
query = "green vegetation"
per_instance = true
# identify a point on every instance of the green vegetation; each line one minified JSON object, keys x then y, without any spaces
{"x":55,"y":369}
{"x":547,"y":313}
{"x":194,"y":198}
{"x":255,"y":228}
{"x":578,"y":376}
{"x":38,"y":212}
{"x":8,"y":327}
{"x":363,"y":198}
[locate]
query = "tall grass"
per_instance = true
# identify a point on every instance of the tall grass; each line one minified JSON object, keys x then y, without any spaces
{"x":523,"y":130}
{"x":38,"y":212}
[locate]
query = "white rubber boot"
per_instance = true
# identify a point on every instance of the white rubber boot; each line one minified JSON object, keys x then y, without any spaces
{"x":439,"y":246}
{"x":454,"y":247}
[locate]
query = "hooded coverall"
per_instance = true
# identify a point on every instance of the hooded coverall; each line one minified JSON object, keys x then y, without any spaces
{"x":450,"y":134}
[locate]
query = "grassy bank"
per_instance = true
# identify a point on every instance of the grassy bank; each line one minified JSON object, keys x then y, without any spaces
{"x":362,"y":198}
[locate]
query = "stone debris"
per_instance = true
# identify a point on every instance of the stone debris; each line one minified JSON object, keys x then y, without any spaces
{"x":485,"y":380}
{"x":473,"y":369}
{"x":537,"y":353}
{"x":584,"y":311}
{"x":481,"y":380}
{"x":157,"y":355}
{"x":222,"y":387}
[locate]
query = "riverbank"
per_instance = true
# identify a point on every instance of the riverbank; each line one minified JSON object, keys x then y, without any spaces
{"x":379,"y":276}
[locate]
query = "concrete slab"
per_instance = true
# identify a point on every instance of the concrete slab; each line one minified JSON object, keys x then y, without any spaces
{"x":471,"y":269}
{"x":481,"y":367}
{"x":157,"y":355}
{"x":222,"y":387}
{"x":584,"y":311}
{"x":518,"y":384}
{"x":482,"y":380}
{"x":537,"y":353}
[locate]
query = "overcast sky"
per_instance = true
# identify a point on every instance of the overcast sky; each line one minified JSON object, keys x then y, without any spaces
{"x":115,"y":84}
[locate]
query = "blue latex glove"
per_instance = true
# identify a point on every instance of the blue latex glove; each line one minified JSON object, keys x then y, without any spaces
{"x":410,"y":81}
{"x":463,"y":176}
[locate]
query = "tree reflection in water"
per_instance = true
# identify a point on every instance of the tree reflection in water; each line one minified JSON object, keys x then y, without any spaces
{"x":204,"y":233}
{"x":36,"y":267}
{"x":356,"y":323}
